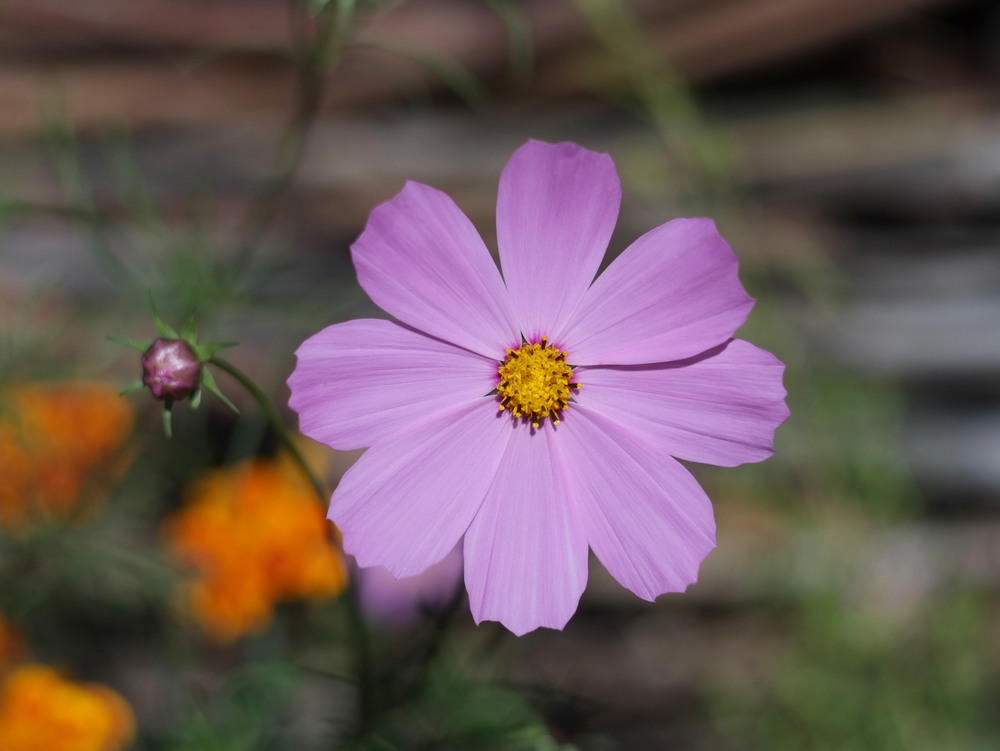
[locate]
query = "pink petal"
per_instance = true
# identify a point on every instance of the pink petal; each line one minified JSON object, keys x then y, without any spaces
{"x":556,"y":209}
{"x":407,"y":501}
{"x":647,"y":519}
{"x":359,"y":381}
{"x":525,"y":552}
{"x":671,"y":295}
{"x":421,"y":260}
{"x":719,"y":408}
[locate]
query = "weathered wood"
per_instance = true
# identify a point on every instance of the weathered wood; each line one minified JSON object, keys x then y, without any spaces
{"x":719,"y":37}
{"x":704,"y":41}
{"x":52,"y":24}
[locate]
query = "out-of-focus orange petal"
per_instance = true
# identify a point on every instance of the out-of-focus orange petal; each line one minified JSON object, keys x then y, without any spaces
{"x":228,"y":605}
{"x":254,"y":534}
{"x":42,"y":711}
{"x":57,"y":439}
{"x":121,"y":728}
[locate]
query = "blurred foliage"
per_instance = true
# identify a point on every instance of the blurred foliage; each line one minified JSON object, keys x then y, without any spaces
{"x":848,"y":682}
{"x":853,"y":675}
{"x":247,"y":712}
{"x":850,"y":673}
{"x":447,"y":712}
{"x":697,"y":157}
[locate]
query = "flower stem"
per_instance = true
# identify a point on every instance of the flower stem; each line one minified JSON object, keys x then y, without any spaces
{"x":317,"y":52}
{"x":274,"y":420}
{"x":359,"y":632}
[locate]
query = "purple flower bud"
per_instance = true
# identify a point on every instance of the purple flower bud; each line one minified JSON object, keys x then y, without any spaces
{"x":171,"y":369}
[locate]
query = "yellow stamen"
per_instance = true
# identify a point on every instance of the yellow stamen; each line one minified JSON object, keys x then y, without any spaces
{"x":535,"y":382}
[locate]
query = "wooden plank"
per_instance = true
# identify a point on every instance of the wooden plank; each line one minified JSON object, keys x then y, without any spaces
{"x":137,"y":23}
{"x":705,"y":40}
{"x":717,"y":38}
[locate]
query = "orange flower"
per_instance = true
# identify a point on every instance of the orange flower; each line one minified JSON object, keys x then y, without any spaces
{"x":57,"y":440}
{"x":42,"y":711}
{"x":254,"y":534}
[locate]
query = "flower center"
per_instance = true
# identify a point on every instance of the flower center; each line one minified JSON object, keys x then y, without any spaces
{"x":535,"y":382}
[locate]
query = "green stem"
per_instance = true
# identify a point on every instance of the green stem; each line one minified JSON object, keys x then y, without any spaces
{"x":359,"y":631}
{"x":368,"y":698}
{"x":316,"y":53}
{"x":274,"y":420}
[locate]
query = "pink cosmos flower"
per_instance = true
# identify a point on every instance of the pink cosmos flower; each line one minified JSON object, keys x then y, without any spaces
{"x":537,"y":414}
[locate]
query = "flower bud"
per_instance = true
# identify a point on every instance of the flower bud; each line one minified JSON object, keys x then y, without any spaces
{"x":171,"y":369}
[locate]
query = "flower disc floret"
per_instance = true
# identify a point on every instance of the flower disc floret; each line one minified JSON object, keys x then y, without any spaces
{"x":536,"y":382}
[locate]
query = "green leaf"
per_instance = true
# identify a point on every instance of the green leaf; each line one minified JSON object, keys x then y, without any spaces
{"x":132,"y":388}
{"x":165,"y":329}
{"x":131,"y":343}
{"x":206,"y":352}
{"x":208,"y":381}
{"x":189,"y":332}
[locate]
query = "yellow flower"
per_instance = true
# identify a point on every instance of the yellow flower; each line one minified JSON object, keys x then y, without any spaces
{"x":254,"y":535}
{"x":42,"y":711}
{"x":57,"y":440}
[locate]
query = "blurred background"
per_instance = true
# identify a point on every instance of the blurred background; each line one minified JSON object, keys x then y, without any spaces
{"x":219,"y":156}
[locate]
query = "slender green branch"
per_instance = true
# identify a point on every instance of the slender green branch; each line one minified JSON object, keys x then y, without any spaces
{"x":69,"y":212}
{"x":274,"y":419}
{"x":365,"y":664}
{"x":74,"y":181}
{"x":316,"y":53}
{"x":423,"y":657}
